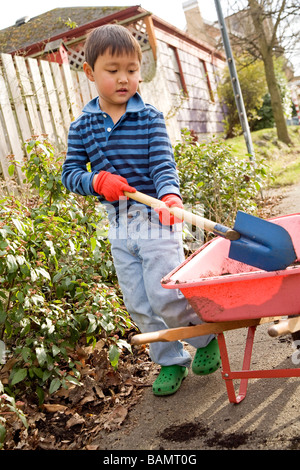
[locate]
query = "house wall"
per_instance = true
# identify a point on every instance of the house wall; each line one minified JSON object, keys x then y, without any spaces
{"x":157,"y":92}
{"x":201,"y":111}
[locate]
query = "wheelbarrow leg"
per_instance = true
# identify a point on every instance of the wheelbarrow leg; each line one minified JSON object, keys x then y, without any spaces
{"x":227,"y":374}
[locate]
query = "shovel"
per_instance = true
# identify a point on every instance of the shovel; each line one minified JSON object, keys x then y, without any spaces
{"x":254,"y":241}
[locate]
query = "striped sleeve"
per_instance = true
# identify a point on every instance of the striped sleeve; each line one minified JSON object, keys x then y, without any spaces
{"x":162,"y":165}
{"x":75,"y":176}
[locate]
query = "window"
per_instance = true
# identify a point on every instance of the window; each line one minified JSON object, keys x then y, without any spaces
{"x":178,"y":70}
{"x":206,"y":80}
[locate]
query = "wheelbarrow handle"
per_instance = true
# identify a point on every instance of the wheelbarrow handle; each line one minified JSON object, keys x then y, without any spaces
{"x":185,"y":332}
{"x":187,"y":216}
{"x":284,"y":327}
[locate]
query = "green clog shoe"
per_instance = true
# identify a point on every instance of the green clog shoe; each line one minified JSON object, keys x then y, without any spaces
{"x":169,"y":380}
{"x":207,"y":360}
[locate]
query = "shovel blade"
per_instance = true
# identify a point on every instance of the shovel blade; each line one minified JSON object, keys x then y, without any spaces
{"x":262,"y":244}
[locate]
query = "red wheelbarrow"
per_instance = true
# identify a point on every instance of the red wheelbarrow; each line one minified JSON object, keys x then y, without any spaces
{"x":227,"y":294}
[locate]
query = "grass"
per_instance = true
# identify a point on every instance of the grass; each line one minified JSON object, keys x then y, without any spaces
{"x":282,"y":160}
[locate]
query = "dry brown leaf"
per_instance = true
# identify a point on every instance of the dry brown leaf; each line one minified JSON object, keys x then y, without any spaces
{"x":52,"y":408}
{"x":99,"y":391}
{"x":90,"y":349}
{"x":116,"y":418}
{"x":87,"y":399}
{"x":76,"y":419}
{"x":112,"y":378}
{"x":126,"y":391}
{"x":64,"y":392}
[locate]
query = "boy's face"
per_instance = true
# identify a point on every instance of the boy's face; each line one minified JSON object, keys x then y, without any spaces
{"x":116,"y":79}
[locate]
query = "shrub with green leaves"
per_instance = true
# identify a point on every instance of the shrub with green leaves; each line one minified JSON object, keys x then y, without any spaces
{"x":57,"y":280}
{"x":214,"y":180}
{"x":8,"y":403}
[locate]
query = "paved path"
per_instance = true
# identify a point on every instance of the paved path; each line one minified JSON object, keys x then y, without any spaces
{"x":200,"y":417}
{"x":290,"y":203}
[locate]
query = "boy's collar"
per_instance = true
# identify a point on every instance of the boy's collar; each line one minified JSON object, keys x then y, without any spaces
{"x":134,"y":105}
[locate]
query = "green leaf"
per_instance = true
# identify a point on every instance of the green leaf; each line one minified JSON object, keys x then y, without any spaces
{"x":2,"y":434}
{"x":41,"y":355}
{"x":93,"y":243}
{"x":123,"y":343}
{"x":33,"y":275}
{"x":19,"y":376}
{"x":40,"y":394}
{"x":25,"y":353}
{"x":2,"y":316}
{"x":11,"y":169}
{"x":46,"y":375}
{"x":114,"y":355}
{"x":72,"y":380}
{"x":43,"y":272}
{"x":12,"y":263}
{"x":22,"y":418}
{"x":48,"y":327}
{"x":19,"y":226}
{"x":55,"y":350}
{"x":93,"y":323}
{"x":20,"y":297}
{"x":37,"y":181}
{"x":37,"y":299}
{"x":38,"y":372}
{"x":54,"y":385}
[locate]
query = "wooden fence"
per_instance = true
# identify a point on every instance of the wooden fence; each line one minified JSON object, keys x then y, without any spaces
{"x":37,"y":97}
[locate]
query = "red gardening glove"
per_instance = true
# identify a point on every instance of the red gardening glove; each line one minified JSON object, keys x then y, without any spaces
{"x":171,"y":200}
{"x":110,"y":186}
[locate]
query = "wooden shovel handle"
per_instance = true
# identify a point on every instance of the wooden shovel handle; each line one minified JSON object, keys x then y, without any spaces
{"x":189,"y":217}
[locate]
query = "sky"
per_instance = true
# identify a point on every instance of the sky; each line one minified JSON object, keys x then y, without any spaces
{"x":168,"y":10}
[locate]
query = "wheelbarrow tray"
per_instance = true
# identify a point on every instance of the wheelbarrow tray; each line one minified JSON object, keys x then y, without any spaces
{"x":221,"y":289}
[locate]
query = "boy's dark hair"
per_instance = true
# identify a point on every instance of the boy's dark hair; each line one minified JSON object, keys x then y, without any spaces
{"x":115,"y":38}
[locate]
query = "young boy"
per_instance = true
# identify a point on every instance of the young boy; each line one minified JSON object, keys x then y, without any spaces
{"x":126,"y":143}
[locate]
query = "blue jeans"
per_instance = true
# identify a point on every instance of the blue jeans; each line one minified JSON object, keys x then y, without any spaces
{"x":144,"y":252}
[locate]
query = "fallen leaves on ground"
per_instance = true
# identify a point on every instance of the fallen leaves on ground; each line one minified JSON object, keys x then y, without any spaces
{"x":268,"y":204}
{"x":74,"y":419}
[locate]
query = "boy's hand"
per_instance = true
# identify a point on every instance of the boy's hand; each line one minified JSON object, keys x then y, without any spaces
{"x":110,"y":186}
{"x":165,"y":217}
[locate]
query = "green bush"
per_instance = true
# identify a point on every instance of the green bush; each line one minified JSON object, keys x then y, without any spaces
{"x":253,"y":87}
{"x":251,"y":75}
{"x":57,"y":280}
{"x":215,"y":183}
{"x":265,"y":112}
{"x":9,"y":404}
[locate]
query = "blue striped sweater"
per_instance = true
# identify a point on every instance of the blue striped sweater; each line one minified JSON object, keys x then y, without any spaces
{"x":137,"y":147}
